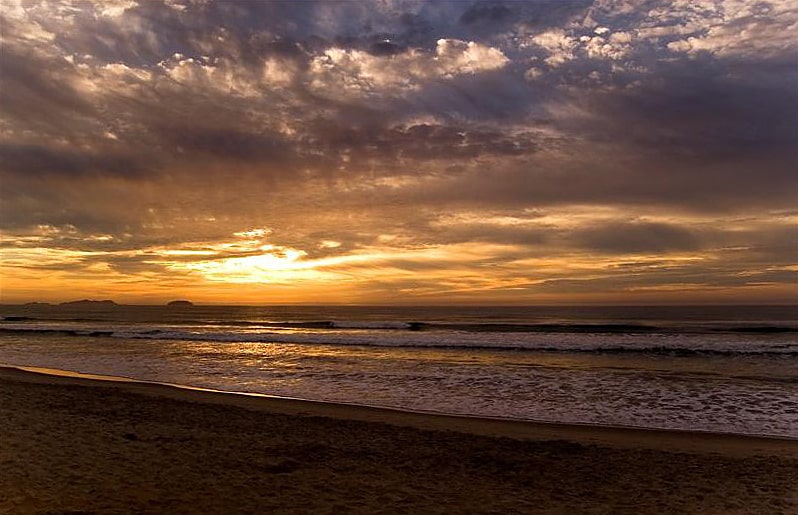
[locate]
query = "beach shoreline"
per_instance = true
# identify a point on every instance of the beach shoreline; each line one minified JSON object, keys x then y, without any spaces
{"x":79,"y":445}
{"x":655,"y":438}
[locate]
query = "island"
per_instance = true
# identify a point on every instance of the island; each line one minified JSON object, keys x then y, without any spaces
{"x":89,"y":303}
{"x":180,"y":304}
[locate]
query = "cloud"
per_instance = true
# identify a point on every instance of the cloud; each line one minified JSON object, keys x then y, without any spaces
{"x":742,"y":30}
{"x":637,"y":237}
{"x":409,"y":132}
{"x":342,"y":72}
{"x":40,"y":160}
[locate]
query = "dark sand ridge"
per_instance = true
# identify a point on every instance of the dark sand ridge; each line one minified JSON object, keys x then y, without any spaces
{"x":79,"y":445}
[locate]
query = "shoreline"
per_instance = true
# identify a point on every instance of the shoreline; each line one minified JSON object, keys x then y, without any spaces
{"x":622,"y":436}
{"x":94,"y":446}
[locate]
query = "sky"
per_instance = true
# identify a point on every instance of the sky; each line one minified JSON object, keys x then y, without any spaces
{"x":399,"y":151}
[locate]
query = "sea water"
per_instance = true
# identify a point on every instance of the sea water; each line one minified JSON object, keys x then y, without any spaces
{"x":723,"y":368}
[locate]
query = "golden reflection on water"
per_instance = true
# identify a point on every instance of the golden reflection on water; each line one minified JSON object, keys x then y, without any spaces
{"x":292,"y":356}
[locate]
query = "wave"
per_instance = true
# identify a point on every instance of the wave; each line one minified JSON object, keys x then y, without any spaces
{"x":578,"y":343}
{"x":327,"y":324}
{"x":489,"y":327}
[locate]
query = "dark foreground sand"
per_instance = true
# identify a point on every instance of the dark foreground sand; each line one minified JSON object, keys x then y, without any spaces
{"x":70,"y":446}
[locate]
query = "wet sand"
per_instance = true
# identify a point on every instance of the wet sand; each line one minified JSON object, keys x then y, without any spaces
{"x":80,"y":445}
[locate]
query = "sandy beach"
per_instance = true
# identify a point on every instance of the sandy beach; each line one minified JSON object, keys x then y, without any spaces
{"x":79,"y":445}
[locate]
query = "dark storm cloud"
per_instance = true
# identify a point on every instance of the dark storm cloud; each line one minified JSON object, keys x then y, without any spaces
{"x":486,"y":12}
{"x":684,"y":184}
{"x":431,"y":142}
{"x":37,"y":94}
{"x":230,"y":144}
{"x":504,"y":235}
{"x":38,"y":160}
{"x":34,"y":85}
{"x":147,"y":33}
{"x":625,"y":238}
{"x":651,"y":279}
{"x":697,"y":109}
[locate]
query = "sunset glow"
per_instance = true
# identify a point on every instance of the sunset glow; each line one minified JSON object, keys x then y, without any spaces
{"x":392,"y":152}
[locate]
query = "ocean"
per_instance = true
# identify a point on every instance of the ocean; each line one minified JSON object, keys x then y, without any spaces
{"x":730,"y":369}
